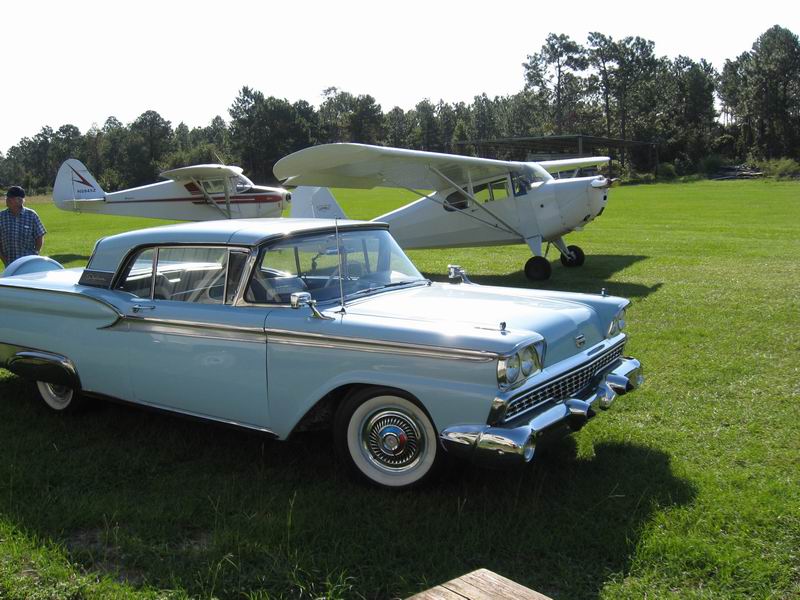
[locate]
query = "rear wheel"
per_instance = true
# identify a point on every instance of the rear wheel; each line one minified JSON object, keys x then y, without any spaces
{"x":59,"y":398}
{"x":387,"y":438}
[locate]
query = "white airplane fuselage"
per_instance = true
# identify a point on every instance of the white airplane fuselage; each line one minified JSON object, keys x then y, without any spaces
{"x":172,"y":200}
{"x":549,"y":210}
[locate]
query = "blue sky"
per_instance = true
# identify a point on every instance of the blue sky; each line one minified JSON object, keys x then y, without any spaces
{"x":83,"y":61}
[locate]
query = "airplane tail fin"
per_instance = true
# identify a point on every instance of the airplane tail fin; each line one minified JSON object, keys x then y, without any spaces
{"x":75,"y":184}
{"x":315,"y":203}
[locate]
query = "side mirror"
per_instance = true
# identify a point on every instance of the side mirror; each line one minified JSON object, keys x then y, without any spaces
{"x":298,"y":299}
{"x":457,"y":274}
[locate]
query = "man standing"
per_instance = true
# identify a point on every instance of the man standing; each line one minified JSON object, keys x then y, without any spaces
{"x":21,"y":230}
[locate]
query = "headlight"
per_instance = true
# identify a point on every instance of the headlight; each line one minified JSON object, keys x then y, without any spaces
{"x":617,"y":324}
{"x":529,"y":361}
{"x":508,"y":370}
{"x":524,"y":363}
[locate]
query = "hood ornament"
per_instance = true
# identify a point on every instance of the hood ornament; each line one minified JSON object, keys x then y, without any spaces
{"x":580,"y":340}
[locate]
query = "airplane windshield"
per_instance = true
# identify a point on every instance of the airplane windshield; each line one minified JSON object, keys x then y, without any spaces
{"x":242,"y":183}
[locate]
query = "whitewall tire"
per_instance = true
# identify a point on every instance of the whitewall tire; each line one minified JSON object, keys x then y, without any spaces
{"x":59,"y":398}
{"x":387,"y":438}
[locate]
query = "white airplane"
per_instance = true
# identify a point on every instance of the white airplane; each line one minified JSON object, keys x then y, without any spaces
{"x":474,"y":202}
{"x":196,"y":193}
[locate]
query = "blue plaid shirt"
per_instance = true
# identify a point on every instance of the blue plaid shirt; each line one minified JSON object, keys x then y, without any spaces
{"x":18,"y":234}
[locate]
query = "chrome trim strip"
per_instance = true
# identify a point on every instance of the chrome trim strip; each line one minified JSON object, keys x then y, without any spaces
{"x":317,"y":340}
{"x":195,"y":329}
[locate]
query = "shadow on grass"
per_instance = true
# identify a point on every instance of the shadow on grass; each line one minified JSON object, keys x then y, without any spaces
{"x":591,"y":277}
{"x":171,"y":503}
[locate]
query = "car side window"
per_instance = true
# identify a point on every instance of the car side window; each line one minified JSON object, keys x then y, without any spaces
{"x":138,"y":280}
{"x":191,"y":274}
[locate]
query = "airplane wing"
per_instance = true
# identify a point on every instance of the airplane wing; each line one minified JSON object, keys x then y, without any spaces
{"x":365,"y":167}
{"x":566,"y":164}
{"x":202,"y":172}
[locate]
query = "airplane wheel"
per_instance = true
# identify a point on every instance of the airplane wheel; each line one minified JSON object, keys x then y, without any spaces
{"x":578,"y":257}
{"x":538,"y":268}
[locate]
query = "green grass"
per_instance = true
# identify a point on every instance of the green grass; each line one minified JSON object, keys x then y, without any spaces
{"x":689,"y":488}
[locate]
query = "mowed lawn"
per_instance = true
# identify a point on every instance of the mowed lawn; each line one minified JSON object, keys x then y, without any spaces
{"x":689,"y":488}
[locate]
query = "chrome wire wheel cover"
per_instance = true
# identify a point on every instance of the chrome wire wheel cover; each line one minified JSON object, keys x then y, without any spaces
{"x":392,"y":440}
{"x":57,"y":397}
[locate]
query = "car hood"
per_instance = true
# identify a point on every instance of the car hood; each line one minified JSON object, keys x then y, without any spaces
{"x":463,"y":310}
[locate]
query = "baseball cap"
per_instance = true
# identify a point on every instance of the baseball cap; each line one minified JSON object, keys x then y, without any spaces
{"x":15,"y":192}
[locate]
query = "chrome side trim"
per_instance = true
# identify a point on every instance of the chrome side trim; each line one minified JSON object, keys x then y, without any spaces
{"x":317,"y":340}
{"x":196,"y":329}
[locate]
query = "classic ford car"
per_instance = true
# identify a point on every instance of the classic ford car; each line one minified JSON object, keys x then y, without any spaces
{"x":281,"y":325}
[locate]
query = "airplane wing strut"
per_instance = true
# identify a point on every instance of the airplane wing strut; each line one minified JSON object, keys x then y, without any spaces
{"x":210,"y":200}
{"x":471,"y":216}
{"x":507,"y":227}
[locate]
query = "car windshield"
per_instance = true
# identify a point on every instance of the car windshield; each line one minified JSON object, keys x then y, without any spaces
{"x":368,"y":261}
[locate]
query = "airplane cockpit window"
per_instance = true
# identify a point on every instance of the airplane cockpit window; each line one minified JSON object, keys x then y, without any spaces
{"x":456,"y":201}
{"x":241,"y":184}
{"x":491,"y":191}
{"x":522,"y":183}
{"x":214,"y":186}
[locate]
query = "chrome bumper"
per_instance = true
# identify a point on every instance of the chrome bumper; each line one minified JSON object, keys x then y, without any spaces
{"x":499,"y":446}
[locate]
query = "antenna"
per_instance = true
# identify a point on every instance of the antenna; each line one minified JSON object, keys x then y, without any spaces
{"x":341,"y":265}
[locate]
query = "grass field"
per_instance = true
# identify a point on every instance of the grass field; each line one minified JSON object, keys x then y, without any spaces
{"x":689,"y":488}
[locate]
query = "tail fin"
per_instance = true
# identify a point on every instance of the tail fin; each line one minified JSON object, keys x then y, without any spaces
{"x":315,"y":203}
{"x":74,"y":184}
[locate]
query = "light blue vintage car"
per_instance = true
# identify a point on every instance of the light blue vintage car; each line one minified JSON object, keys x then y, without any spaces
{"x":283,"y":325}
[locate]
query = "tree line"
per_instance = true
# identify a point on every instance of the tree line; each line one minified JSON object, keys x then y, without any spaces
{"x":605,"y":87}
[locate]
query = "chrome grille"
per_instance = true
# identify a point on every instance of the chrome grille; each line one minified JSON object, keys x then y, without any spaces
{"x":564,"y":386}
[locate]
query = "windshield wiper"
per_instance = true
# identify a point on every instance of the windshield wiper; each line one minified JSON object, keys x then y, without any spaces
{"x":388,"y":285}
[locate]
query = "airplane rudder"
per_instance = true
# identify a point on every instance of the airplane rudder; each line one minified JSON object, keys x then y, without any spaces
{"x":75,"y":182}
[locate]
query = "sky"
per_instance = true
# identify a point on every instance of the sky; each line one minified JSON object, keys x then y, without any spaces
{"x":80,"y":62}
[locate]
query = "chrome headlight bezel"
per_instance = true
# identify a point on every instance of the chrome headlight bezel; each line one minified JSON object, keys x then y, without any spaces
{"x":519,"y":366}
{"x":617,"y":324}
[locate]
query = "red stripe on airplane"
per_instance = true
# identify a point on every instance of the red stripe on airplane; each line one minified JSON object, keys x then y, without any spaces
{"x":234,"y":200}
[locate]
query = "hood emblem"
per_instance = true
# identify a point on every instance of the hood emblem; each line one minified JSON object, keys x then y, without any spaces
{"x":580,"y":340}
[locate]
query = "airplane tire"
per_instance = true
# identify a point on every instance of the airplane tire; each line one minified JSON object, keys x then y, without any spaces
{"x":538,"y":268}
{"x":578,"y":257}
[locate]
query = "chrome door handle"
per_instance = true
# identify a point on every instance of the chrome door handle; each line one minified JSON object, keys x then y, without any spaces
{"x":140,"y":307}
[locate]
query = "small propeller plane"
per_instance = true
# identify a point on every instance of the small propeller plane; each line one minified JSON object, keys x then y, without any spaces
{"x":474,"y":201}
{"x":196,"y":193}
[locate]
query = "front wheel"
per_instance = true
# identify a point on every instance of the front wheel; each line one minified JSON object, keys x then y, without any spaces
{"x":59,"y":398}
{"x":386,"y":438}
{"x":575,"y":259}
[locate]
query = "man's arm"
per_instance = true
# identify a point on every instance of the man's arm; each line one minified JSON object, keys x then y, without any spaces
{"x":37,"y":243}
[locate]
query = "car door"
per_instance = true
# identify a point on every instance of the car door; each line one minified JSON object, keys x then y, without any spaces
{"x":190,"y":349}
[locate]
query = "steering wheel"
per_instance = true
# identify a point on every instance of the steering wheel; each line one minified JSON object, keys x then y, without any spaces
{"x":332,"y":279}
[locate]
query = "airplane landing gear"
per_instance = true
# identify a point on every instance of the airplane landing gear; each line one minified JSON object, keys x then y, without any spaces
{"x":575,"y":258}
{"x":538,"y":268}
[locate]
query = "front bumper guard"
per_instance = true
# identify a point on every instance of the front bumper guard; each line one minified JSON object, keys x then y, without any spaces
{"x":507,"y":446}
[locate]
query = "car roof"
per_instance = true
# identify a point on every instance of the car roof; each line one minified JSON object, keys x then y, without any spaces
{"x":110,"y":251}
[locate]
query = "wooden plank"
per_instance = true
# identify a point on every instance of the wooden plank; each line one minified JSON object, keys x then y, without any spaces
{"x":482,"y":584}
{"x":495,"y":586}
{"x":437,"y":593}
